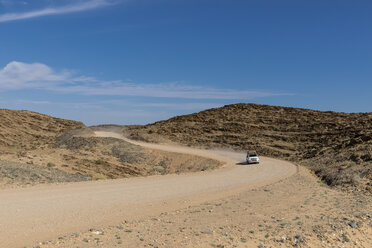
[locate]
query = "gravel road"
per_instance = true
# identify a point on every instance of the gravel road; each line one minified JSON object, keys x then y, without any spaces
{"x":44,"y":212}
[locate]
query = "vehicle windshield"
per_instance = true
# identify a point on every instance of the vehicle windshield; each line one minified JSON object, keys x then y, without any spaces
{"x":252,"y":155}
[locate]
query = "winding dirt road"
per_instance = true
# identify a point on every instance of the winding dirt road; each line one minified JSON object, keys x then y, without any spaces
{"x":44,"y":212}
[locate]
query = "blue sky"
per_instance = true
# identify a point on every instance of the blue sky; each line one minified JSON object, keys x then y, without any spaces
{"x":139,"y":61}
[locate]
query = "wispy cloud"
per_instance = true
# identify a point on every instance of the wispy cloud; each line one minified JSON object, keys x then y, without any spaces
{"x":23,"y":102}
{"x":77,"y":7}
{"x":180,"y":106}
{"x":20,"y":76}
{"x":164,"y":90}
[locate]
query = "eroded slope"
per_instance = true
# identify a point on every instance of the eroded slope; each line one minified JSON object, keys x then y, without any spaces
{"x":336,"y":146}
{"x":36,"y":148}
{"x":28,"y":130}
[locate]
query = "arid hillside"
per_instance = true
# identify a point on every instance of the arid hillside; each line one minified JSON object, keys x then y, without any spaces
{"x":28,"y":130}
{"x":335,"y":146}
{"x":36,"y":148}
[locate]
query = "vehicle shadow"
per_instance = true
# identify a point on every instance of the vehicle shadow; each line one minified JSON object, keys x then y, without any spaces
{"x":242,"y":163}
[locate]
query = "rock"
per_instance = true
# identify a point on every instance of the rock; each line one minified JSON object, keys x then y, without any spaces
{"x":352,"y":224}
{"x":299,"y":238}
{"x":97,"y":232}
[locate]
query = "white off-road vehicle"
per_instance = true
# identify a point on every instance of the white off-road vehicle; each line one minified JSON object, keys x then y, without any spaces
{"x":252,"y":157}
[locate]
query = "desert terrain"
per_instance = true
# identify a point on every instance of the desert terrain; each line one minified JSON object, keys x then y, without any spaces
{"x":36,"y":148}
{"x":183,"y":182}
{"x":337,"y":147}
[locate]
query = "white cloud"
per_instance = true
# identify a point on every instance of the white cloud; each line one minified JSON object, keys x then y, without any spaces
{"x":77,"y":7}
{"x":19,"y":76}
{"x":12,"y":2}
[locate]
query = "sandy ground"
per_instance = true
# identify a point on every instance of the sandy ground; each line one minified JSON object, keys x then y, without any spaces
{"x":45,"y":212}
{"x":294,"y":212}
{"x":79,"y":156}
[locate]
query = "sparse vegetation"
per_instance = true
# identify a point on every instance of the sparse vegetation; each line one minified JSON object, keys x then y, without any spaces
{"x":99,"y":161}
{"x":99,"y":176}
{"x":14,"y":173}
{"x":29,"y":130}
{"x":50,"y":164}
{"x":78,"y":152}
{"x":337,"y":147}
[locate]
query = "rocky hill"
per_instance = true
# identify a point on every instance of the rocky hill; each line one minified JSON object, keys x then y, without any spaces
{"x":335,"y":146}
{"x":28,"y":130}
{"x":36,"y":148}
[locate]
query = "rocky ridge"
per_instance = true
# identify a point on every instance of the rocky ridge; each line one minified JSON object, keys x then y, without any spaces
{"x":337,"y":147}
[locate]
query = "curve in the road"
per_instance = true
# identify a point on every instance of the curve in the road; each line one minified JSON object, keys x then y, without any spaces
{"x":44,"y":212}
